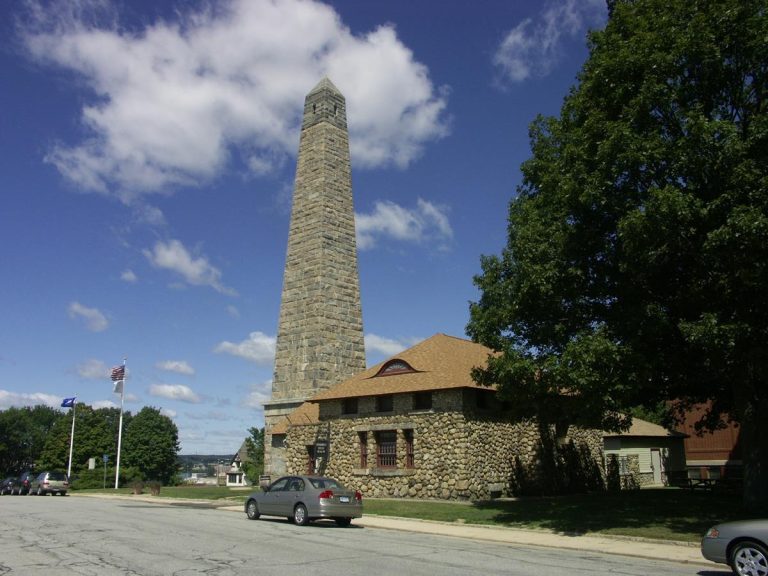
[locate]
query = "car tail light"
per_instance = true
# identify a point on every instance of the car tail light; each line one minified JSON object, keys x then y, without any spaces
{"x":358,"y":495}
{"x":325,"y":494}
{"x":46,"y":483}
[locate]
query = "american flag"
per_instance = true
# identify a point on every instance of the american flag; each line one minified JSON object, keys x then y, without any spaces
{"x":118,"y":373}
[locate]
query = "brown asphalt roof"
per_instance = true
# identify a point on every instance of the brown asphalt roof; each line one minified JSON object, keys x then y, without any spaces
{"x":439,"y":362}
{"x":643,"y":428}
{"x":304,"y":415}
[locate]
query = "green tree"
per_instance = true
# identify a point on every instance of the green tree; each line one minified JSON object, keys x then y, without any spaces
{"x":23,"y":432}
{"x":254,"y":466}
{"x":151,"y":444}
{"x":636,"y":264}
{"x":94,"y":437}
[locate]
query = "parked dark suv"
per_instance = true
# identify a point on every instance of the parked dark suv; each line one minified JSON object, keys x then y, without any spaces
{"x":24,"y":483}
{"x":50,"y":483}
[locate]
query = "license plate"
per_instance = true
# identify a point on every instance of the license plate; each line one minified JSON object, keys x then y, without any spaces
{"x":344,"y":499}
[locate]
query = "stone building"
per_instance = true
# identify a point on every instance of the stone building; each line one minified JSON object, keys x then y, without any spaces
{"x":320,"y":331}
{"x":418,"y":426}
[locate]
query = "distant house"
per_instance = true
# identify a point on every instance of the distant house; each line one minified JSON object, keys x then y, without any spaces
{"x":235,"y":476}
{"x":646,"y":453}
{"x":711,"y":455}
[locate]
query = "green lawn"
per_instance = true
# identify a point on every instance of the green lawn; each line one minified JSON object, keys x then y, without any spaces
{"x":666,"y":514}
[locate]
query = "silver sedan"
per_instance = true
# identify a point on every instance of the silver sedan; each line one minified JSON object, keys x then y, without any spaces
{"x":302,"y":499}
{"x":743,"y":545}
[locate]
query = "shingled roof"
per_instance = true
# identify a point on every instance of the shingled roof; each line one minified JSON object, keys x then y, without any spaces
{"x":304,"y":415}
{"x":438,"y":363}
{"x":644,"y":429}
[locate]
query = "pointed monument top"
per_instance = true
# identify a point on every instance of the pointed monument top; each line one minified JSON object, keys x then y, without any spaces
{"x":325,"y":103}
{"x":325,"y":84}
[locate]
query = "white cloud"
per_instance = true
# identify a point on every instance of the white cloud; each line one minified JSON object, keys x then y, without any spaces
{"x":213,"y":415}
{"x":426,"y":222}
{"x":174,"y":392}
{"x":172,"y":102}
{"x":94,"y":320}
{"x":258,"y":394}
{"x":172,"y":255}
{"x":168,"y":412}
{"x":178,"y":366}
{"x":129,"y":276}
{"x":233,"y":311}
{"x":533,"y":47}
{"x":93,"y":369}
{"x":104,"y":404}
{"x":11,"y":399}
{"x":387,"y":346}
{"x":258,"y":348}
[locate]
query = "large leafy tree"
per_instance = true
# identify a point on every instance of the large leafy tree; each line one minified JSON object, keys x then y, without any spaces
{"x":151,"y":444}
{"x":94,"y":436}
{"x":23,"y":432}
{"x":636,"y":267}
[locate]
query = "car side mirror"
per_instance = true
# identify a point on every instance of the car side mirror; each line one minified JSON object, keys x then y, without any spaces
{"x":265,"y":488}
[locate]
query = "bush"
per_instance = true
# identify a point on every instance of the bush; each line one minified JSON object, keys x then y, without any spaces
{"x":137,"y":486}
{"x":154,"y":487}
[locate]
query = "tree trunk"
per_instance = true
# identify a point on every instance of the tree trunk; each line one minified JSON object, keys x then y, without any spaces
{"x":754,"y":447}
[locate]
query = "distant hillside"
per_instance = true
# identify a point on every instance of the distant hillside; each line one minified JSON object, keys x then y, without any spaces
{"x":189,"y":461}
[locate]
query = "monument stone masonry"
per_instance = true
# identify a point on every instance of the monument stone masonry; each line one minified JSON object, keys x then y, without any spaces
{"x":320,"y":332}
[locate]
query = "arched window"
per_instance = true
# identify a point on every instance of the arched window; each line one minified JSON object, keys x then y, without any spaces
{"x":395,"y":366}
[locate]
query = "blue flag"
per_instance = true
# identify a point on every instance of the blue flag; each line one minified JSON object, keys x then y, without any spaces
{"x":69,"y":402}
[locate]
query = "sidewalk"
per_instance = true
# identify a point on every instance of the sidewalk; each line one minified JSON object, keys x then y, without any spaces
{"x":688,"y":553}
{"x":671,"y":551}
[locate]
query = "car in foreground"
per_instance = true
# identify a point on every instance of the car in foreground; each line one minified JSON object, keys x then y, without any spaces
{"x":6,"y":486}
{"x":302,"y":499}
{"x":50,"y":483}
{"x":743,"y":545}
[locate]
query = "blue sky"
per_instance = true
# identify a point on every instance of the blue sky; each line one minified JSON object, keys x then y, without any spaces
{"x":147,"y":156}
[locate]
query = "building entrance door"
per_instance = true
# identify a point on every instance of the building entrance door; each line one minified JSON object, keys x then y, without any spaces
{"x":656,"y":464}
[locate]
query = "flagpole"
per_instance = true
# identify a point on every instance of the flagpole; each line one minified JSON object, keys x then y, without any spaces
{"x":120,"y":426}
{"x":71,"y":439}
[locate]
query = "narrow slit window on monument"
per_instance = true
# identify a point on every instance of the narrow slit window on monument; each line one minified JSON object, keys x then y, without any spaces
{"x":422,"y":401}
{"x":384,"y":403}
{"x":363,"y":449}
{"x":386,"y":449}
{"x":349,"y":406}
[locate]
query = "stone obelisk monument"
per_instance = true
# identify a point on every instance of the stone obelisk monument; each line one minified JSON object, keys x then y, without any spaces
{"x":320,"y":333}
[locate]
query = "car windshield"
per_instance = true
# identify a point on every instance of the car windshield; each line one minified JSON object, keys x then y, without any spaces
{"x":325,"y":483}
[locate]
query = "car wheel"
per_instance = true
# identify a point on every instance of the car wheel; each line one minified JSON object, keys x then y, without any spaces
{"x":252,"y":510}
{"x":300,"y":517}
{"x":749,"y":559}
{"x":343,"y":522}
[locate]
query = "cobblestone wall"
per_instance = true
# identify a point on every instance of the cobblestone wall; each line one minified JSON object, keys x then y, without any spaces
{"x":458,"y":453}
